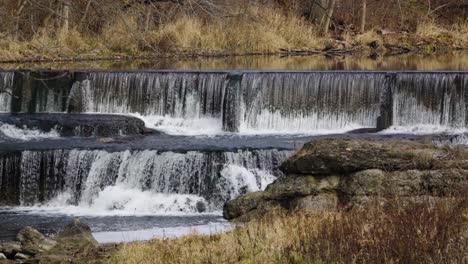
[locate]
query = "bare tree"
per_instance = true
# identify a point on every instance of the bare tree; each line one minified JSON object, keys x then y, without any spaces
{"x":331,"y":8}
{"x":363,"y":16}
{"x":66,"y":15}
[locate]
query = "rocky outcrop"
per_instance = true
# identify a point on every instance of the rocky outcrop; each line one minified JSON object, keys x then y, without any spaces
{"x":32,"y":246}
{"x":82,"y":125}
{"x":332,"y":174}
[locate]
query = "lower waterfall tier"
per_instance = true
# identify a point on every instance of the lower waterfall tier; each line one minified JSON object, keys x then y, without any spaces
{"x":134,"y":182}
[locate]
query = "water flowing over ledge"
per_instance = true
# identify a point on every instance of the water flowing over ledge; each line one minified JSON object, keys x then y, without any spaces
{"x":213,"y":102}
{"x":84,"y":182}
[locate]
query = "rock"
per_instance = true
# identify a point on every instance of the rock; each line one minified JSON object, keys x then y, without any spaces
{"x":325,"y":157}
{"x":22,"y":256}
{"x":294,"y":186}
{"x":243,"y":205}
{"x":82,"y":125}
{"x":368,"y":182}
{"x":317,"y":203}
{"x":330,"y":174}
{"x":201,"y":207}
{"x":105,"y":140}
{"x":2,"y":256}
{"x":76,"y":235}
{"x":32,"y":241}
{"x":10,"y":248}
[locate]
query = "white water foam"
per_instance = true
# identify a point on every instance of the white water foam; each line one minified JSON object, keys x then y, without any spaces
{"x":120,"y":200}
{"x":100,"y":183}
{"x":25,"y":134}
{"x":183,"y":126}
{"x":423,"y":129}
{"x":208,"y":126}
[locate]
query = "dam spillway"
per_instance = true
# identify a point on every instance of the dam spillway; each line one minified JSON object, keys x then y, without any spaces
{"x":292,"y":102}
{"x":73,"y":141}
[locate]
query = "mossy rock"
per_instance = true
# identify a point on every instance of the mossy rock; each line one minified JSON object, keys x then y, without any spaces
{"x":331,"y":156}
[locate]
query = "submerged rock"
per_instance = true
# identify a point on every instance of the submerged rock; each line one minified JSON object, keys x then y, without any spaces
{"x":2,"y":256}
{"x":332,"y":174}
{"x":82,"y":125}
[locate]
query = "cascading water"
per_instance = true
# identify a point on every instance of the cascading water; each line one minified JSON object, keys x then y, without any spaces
{"x":303,"y":102}
{"x":137,"y":182}
{"x":437,"y":100}
{"x":276,"y":102}
{"x":6,"y":84}
{"x":163,"y":99}
{"x":249,"y":102}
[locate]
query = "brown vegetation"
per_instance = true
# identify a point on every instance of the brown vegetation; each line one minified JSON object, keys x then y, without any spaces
{"x":54,"y":29}
{"x":422,"y":232}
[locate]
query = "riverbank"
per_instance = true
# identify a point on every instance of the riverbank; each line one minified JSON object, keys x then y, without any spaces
{"x":417,"y":234}
{"x":188,"y":37}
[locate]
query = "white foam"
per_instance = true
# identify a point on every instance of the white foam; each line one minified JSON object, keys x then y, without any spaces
{"x":183,"y":126}
{"x":423,"y":129}
{"x":25,"y":134}
{"x":121,"y":201}
{"x":162,"y":233}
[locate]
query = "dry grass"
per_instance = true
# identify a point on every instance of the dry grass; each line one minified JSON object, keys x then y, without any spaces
{"x":269,"y":32}
{"x":417,"y":233}
{"x":456,"y":35}
{"x":262,"y":30}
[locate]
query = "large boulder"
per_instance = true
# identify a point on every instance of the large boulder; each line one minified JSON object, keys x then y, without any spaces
{"x":76,"y":234}
{"x":332,"y":174}
{"x":331,"y":156}
{"x":74,"y":240}
{"x":33,"y":242}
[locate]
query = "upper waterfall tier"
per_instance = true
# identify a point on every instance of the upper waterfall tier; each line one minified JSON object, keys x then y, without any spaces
{"x":249,"y":101}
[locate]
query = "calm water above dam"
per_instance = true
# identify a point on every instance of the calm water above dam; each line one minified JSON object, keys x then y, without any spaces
{"x":436,"y":62}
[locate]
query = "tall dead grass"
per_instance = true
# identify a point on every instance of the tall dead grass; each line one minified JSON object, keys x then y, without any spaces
{"x":264,"y":30}
{"x":456,"y":35}
{"x":419,"y":232}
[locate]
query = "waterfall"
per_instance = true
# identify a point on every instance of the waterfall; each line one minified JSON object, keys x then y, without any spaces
{"x":302,"y":102}
{"x":292,"y":102}
{"x":430,"y":99}
{"x":6,"y":84}
{"x":249,"y":102}
{"x":175,"y":181}
{"x":188,"y":95}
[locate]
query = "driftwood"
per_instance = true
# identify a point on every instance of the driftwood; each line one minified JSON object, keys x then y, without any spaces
{"x":327,"y":51}
{"x":397,"y":48}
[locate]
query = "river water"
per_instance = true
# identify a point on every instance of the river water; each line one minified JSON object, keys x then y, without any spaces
{"x":224,"y":126}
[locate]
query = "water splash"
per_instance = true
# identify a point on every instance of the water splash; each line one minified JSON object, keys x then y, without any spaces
{"x":137,"y":182}
{"x":11,"y":132}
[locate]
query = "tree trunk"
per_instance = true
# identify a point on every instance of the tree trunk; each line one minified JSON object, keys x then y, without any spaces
{"x":18,"y":13}
{"x":148,"y":17}
{"x":329,"y":15}
{"x":66,"y":16}
{"x":363,"y":17}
